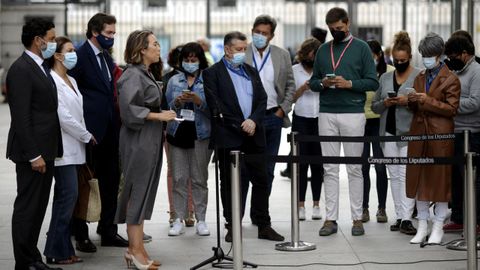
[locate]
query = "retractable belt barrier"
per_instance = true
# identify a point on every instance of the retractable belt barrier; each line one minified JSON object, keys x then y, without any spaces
{"x":295,"y":159}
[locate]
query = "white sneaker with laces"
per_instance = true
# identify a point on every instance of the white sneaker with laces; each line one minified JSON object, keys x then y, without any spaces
{"x":202,"y":228}
{"x":177,"y":228}
{"x":316,"y":213}
{"x":301,"y":213}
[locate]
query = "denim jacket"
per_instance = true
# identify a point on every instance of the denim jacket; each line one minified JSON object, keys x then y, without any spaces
{"x":176,"y":85}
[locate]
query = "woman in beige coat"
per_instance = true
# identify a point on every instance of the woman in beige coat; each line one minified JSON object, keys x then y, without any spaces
{"x":434,"y":104}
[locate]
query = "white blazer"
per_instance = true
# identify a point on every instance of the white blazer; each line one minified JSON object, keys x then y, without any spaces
{"x":70,"y":114}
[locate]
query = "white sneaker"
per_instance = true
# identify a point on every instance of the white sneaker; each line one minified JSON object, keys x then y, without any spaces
{"x":316,"y":213}
{"x":301,"y":213}
{"x":202,"y":228}
{"x":177,"y":228}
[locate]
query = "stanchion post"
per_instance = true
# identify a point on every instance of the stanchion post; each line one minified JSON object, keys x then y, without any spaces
{"x":295,"y":244}
{"x":236,"y":220}
{"x":471,"y":213}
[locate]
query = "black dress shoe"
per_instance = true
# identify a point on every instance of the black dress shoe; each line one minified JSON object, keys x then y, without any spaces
{"x":41,"y":266}
{"x":86,"y":246}
{"x":395,"y":227}
{"x":228,"y":236}
{"x":115,"y":241}
{"x":269,"y":233}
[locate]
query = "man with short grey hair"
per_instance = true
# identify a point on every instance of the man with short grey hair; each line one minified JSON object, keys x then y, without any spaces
{"x":235,"y":94}
{"x":275,"y":68}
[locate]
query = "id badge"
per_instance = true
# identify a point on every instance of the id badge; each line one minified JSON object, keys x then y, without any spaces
{"x":188,"y":115}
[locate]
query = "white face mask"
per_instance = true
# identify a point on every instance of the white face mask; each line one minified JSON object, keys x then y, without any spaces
{"x":429,"y":62}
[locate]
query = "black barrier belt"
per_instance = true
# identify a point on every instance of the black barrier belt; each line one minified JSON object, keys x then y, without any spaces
{"x":356,"y":160}
{"x":405,"y":138}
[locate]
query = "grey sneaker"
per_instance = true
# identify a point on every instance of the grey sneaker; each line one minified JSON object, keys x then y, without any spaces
{"x":365,"y":215}
{"x":329,"y":227}
{"x":357,"y":228}
{"x":381,"y":216}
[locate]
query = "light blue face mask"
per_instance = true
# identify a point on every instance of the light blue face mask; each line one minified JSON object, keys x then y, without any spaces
{"x":49,"y":50}
{"x":238,"y":58}
{"x":429,"y":62}
{"x":190,"y":67}
{"x":70,"y":60}
{"x":259,"y":40}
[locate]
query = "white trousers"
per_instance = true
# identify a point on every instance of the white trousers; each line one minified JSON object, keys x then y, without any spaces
{"x":403,"y":205}
{"x":441,"y":210}
{"x":342,"y":124}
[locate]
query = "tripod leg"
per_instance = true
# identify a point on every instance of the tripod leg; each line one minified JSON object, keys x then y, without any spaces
{"x":207,"y":261}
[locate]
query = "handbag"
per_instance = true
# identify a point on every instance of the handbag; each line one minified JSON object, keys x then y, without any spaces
{"x":89,"y":204}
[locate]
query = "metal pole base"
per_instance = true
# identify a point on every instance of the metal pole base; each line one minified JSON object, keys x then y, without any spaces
{"x":299,"y":246}
{"x":460,"y":245}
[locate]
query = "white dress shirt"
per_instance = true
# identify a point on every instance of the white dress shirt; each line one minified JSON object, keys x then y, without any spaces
{"x":267,"y":75}
{"x":70,"y":114}
{"x":308,"y":104}
{"x":96,"y":51}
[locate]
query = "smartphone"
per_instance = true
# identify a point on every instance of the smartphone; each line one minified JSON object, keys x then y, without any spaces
{"x":186,"y":91}
{"x":331,"y":76}
{"x":410,"y":90}
{"x":391,"y":94}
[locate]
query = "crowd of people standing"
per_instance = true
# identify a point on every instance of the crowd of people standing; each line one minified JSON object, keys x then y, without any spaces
{"x":80,"y":107}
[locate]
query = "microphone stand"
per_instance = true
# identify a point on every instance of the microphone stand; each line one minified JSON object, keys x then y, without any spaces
{"x":218,"y":254}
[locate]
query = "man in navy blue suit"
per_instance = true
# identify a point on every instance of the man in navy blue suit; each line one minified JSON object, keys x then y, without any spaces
{"x":94,"y":75}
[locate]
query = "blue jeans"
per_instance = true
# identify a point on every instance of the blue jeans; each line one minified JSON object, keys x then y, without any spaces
{"x":59,"y":246}
{"x":371,"y":129}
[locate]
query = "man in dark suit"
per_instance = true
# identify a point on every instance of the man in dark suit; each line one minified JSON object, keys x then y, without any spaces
{"x":234,"y":89}
{"x":94,"y":75}
{"x":34,"y":139}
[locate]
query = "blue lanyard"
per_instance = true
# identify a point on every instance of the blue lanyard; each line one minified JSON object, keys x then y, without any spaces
{"x":240,"y":71}
{"x":263,"y":62}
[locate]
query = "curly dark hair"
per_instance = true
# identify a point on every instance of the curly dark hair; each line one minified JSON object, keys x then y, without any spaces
{"x":309,"y":45}
{"x":193,"y":48}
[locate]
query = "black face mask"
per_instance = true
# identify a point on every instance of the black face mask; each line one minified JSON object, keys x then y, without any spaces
{"x":338,"y":35}
{"x":401,"y":67}
{"x":307,"y":63}
{"x":455,"y":64}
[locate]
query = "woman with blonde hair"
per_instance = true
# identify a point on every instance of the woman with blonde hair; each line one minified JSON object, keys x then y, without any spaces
{"x":140,"y":142}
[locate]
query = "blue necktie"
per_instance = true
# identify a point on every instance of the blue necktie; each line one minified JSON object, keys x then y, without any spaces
{"x":104,"y":66}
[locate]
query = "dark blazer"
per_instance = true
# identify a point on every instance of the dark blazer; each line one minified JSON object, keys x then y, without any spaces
{"x":34,"y":128}
{"x":221,"y":97}
{"x":98,"y":93}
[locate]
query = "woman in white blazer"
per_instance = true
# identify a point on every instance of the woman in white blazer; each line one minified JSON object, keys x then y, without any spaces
{"x":59,"y":248}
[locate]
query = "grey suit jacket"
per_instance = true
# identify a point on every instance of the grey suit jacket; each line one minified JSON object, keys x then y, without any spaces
{"x":403,"y":116}
{"x":284,"y":81}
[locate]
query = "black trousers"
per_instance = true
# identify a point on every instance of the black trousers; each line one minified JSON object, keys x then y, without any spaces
{"x":458,"y":174}
{"x":104,"y":159}
{"x":33,"y":192}
{"x":308,"y":126}
{"x":254,"y":172}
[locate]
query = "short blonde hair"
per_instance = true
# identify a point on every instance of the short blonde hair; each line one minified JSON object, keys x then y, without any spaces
{"x":136,"y":42}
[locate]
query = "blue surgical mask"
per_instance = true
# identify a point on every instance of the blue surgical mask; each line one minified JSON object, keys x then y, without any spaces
{"x":190,"y":67}
{"x":238,"y":58}
{"x":429,"y":62}
{"x":49,"y":50}
{"x":259,"y":40}
{"x":105,"y":42}
{"x":70,"y":60}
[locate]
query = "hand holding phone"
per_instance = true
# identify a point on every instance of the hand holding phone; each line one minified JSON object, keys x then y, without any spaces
{"x":392,"y":94}
{"x":330,"y":76}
